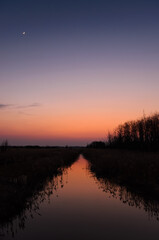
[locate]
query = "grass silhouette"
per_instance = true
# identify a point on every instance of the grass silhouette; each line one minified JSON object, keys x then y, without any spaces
{"x":23,"y":174}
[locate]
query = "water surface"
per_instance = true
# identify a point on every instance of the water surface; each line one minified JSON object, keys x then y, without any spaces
{"x":78,"y":206}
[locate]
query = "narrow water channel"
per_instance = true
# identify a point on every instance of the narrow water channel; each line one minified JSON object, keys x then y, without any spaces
{"x":79,"y":208}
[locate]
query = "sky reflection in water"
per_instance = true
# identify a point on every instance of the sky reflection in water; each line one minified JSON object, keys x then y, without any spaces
{"x":81,"y":207}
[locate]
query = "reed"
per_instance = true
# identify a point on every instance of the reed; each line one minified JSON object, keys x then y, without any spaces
{"x":137,"y":170}
{"x":24,"y":173}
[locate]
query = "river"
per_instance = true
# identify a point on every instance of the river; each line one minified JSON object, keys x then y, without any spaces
{"x":77,"y":206}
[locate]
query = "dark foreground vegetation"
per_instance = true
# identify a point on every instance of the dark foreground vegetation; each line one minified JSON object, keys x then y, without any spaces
{"x":137,"y":170}
{"x":131,"y":176}
{"x":23,"y":174}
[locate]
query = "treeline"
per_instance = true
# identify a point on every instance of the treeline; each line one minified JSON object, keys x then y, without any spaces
{"x":96,"y":144}
{"x":140,"y":134}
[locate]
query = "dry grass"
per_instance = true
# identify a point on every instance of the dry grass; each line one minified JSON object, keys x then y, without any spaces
{"x":24,"y":172}
{"x":134,"y":169}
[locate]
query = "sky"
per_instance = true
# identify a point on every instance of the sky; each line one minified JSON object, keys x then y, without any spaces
{"x":70,"y":71}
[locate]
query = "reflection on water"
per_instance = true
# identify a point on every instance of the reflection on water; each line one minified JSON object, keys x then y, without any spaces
{"x":32,"y":207}
{"x":77,"y":205}
{"x":150,"y":206}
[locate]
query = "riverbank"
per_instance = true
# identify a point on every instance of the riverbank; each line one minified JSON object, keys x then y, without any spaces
{"x":24,"y":172}
{"x":137,"y":170}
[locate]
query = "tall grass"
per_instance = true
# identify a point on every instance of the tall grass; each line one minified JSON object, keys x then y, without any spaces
{"x":24,"y":173}
{"x":131,"y":176}
{"x":136,"y":169}
{"x":4,"y":145}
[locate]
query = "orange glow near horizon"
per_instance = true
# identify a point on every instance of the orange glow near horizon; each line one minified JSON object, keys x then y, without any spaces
{"x":48,"y":126}
{"x":79,"y":109}
{"x":74,"y":105}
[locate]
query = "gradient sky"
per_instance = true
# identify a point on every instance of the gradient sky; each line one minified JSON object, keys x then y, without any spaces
{"x":82,"y":68}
